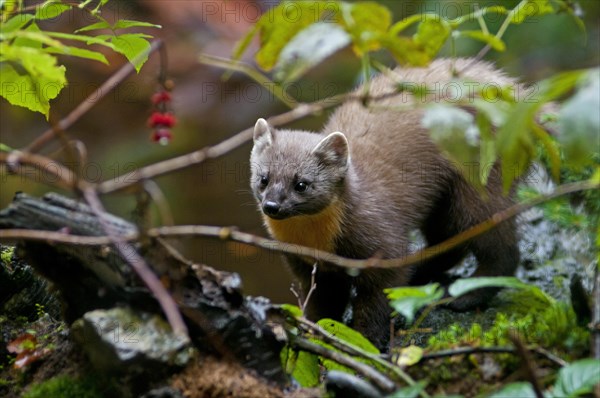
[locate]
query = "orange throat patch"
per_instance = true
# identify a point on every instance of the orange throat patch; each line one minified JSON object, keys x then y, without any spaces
{"x":317,"y":230}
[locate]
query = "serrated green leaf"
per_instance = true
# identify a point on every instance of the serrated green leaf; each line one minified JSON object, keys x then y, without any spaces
{"x":515,"y":390}
{"x":302,"y":365}
{"x":530,"y":9}
{"x":94,"y":26}
{"x":406,"y":22}
{"x":579,"y":122}
{"x":462,"y":286}
{"x":514,"y":143}
{"x":405,"y":51}
{"x":408,"y":300}
{"x":33,"y":34}
{"x":487,"y":147}
{"x":577,"y":379}
{"x":40,"y":81}
{"x":348,"y":335}
{"x":496,"y":43}
{"x":367,"y":22}
{"x":83,"y":38}
{"x":309,"y":47}
{"x":51,"y":9}
{"x":24,"y":41}
{"x":15,"y":23}
{"x":431,"y":35}
{"x":278,"y":26}
{"x":126,"y":23}
{"x":78,"y":52}
{"x":134,"y":47}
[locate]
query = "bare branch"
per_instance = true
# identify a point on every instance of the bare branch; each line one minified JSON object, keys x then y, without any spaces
{"x":228,"y":233}
{"x":211,"y":152}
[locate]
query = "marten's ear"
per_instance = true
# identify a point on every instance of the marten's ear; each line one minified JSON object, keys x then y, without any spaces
{"x":263,"y":136}
{"x":333,"y":149}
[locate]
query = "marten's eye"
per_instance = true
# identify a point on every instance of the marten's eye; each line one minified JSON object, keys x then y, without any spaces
{"x":301,"y":186}
{"x":264,"y":181}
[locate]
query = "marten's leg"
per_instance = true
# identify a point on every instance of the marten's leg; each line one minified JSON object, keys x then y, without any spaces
{"x":496,"y":251}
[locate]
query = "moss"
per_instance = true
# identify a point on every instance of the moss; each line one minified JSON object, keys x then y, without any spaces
{"x":6,"y":255}
{"x":64,"y":387}
{"x":537,"y":318}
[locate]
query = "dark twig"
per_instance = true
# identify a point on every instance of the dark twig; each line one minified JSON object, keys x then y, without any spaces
{"x":381,"y":381}
{"x":139,"y":266}
{"x":497,"y":350}
{"x":528,"y":363}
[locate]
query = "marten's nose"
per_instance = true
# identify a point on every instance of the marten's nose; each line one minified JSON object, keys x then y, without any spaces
{"x":271,"y":208}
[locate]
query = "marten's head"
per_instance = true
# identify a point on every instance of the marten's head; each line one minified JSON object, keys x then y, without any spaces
{"x":297,"y":172}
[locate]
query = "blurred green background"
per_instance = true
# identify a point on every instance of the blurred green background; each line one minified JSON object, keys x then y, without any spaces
{"x":210,"y":110}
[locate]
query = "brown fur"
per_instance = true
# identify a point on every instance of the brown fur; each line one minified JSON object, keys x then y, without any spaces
{"x":365,"y":204}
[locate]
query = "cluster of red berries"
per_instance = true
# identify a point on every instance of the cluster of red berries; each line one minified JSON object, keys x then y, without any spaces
{"x":161,"y":120}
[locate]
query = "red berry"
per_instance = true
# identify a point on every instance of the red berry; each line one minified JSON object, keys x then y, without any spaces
{"x":161,"y":96}
{"x":161,"y":119}
{"x":162,"y":136}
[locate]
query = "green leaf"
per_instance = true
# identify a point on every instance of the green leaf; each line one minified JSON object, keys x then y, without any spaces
{"x":577,"y":379}
{"x":530,"y":9}
{"x":496,"y":43}
{"x":409,"y":356}
{"x":348,"y":335}
{"x":78,"y":52}
{"x":278,"y":26}
{"x":431,"y":35}
{"x":51,"y":9}
{"x":579,"y":122}
{"x":309,"y":47}
{"x":83,"y":38}
{"x":126,"y":23}
{"x":5,"y":148}
{"x":463,"y":286}
{"x":514,"y":143}
{"x":94,"y":26}
{"x":242,"y":45}
{"x":302,"y":365}
{"x":134,"y":47}
{"x":405,"y":50}
{"x":292,"y":310}
{"x":21,"y":38}
{"x":515,"y":390}
{"x":409,"y":392}
{"x":367,"y":22}
{"x":487,"y":147}
{"x":408,"y":300}
{"x":406,"y":22}
{"x":40,"y":80}
{"x":15,"y":23}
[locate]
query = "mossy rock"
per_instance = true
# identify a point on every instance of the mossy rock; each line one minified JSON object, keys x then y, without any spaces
{"x":64,"y":387}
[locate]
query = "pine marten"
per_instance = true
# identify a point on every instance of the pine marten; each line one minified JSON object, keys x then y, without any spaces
{"x":358,"y":188}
